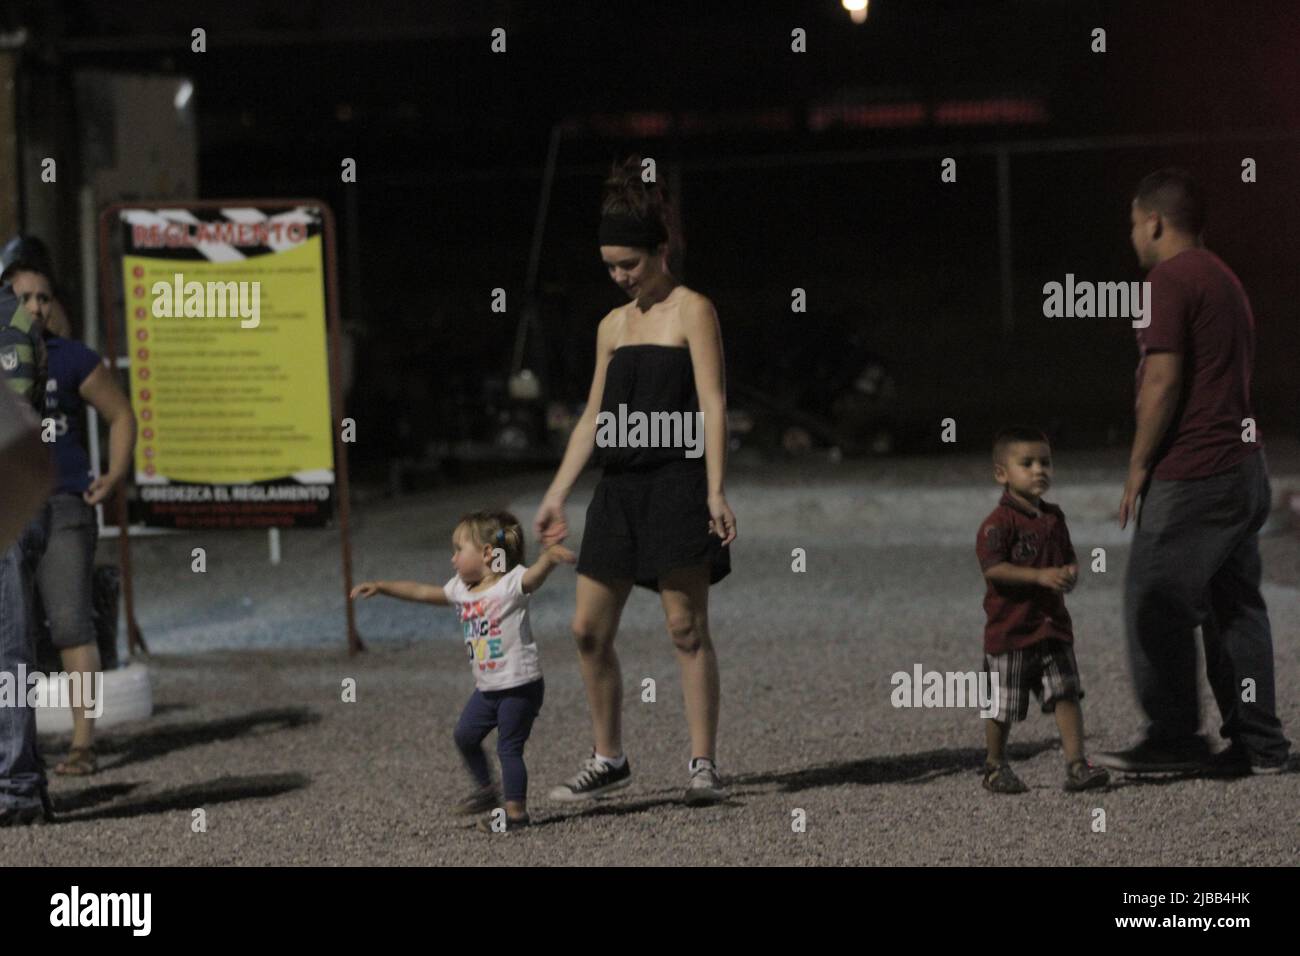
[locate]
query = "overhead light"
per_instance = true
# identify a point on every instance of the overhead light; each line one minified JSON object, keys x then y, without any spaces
{"x":857,"y":9}
{"x":183,"y":94}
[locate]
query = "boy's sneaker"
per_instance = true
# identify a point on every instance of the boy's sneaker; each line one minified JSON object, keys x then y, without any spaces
{"x":706,"y":785}
{"x":1002,"y":779}
{"x":480,"y":801}
{"x":484,"y":824}
{"x":1082,"y":775}
{"x":595,"y":779}
{"x":1152,"y":756}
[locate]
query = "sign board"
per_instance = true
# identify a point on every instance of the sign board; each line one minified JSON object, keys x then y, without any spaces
{"x":226,"y":324}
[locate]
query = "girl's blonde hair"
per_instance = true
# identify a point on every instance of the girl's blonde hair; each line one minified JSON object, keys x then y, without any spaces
{"x":500,"y":529}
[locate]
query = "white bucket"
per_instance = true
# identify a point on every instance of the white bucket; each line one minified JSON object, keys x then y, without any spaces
{"x":126,"y":692}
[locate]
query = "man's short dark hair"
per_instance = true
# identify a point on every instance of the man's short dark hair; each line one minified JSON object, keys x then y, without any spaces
{"x":1174,"y":194}
{"x":1013,"y":434}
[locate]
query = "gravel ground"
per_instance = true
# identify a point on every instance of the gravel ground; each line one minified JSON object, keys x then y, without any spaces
{"x":248,"y":661}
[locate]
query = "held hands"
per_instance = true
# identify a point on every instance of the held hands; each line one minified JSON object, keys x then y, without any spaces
{"x":721,"y":521}
{"x":1061,"y":580}
{"x":550,"y":526}
{"x":365,"y":590}
{"x":560,"y":554}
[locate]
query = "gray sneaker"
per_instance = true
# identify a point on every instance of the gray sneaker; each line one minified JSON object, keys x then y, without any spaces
{"x":706,"y":784}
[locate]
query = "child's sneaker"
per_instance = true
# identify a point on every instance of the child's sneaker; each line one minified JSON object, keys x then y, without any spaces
{"x":1002,"y":779}
{"x":512,"y":823}
{"x":595,"y":779}
{"x":1082,"y":775}
{"x":706,"y":785}
{"x":480,"y":801}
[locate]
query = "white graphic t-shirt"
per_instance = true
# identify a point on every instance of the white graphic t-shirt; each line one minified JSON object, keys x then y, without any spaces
{"x":495,"y":624}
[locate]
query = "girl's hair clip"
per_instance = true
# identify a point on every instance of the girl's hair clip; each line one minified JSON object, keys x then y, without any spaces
{"x":501,"y":535}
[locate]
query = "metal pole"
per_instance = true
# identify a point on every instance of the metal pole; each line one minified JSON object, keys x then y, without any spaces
{"x":336,"y":399}
{"x":90,"y":330}
{"x":535,"y":252}
{"x":134,"y":639}
{"x":1004,"y":243}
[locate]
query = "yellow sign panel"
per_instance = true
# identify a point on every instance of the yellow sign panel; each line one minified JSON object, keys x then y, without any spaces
{"x":229,"y":373}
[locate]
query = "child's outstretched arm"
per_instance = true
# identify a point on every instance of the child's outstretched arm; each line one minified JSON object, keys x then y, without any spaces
{"x":406,"y":590}
{"x":546,"y":562}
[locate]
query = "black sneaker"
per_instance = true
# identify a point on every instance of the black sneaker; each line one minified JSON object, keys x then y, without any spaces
{"x":1082,"y":775}
{"x":595,"y":779}
{"x":1152,"y":756}
{"x":480,"y":801}
{"x":484,"y":824}
{"x":1237,"y":762}
{"x":1002,"y":779}
{"x":24,"y":815}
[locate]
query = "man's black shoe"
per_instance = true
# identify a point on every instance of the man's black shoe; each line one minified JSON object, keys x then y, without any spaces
{"x":1236,"y":761}
{"x":22,"y":816}
{"x":1157,"y":756}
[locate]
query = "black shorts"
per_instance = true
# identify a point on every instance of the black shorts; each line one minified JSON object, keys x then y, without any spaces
{"x":641,"y":524}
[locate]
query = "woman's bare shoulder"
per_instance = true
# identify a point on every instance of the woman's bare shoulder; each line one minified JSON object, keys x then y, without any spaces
{"x":697,"y":307}
{"x":611,"y":325}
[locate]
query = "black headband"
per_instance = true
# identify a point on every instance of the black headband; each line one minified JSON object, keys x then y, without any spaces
{"x":621,"y":229}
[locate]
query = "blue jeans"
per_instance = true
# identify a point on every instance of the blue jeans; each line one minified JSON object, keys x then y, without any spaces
{"x":22,"y":774}
{"x":1195,"y":562}
{"x":512,"y":713}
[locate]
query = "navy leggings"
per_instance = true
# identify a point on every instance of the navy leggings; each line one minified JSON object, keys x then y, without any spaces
{"x":512,"y":713}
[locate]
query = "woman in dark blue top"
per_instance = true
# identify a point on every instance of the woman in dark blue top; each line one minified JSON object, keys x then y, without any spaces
{"x":656,"y":420}
{"x":64,"y":576}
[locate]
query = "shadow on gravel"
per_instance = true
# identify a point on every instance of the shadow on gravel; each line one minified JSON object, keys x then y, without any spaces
{"x":169,"y":708}
{"x":163,"y":740}
{"x":623,"y":808}
{"x":1119,"y":780}
{"x":905,"y":768}
{"x":90,"y":796}
{"x":221,"y":790}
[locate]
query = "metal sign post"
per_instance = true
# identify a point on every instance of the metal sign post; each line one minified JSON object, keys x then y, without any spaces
{"x":209,"y":235}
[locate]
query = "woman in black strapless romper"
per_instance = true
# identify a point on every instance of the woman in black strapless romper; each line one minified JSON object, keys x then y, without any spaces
{"x":658,"y":517}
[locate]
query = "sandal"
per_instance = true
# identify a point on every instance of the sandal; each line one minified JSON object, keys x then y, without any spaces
{"x":80,"y":762}
{"x":1082,"y":775}
{"x":1002,"y":779}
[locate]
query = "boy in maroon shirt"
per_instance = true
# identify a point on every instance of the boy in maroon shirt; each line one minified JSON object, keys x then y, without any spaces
{"x":1025,"y":553}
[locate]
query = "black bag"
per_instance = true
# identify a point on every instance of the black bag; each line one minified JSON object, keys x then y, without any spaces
{"x":107,"y":589}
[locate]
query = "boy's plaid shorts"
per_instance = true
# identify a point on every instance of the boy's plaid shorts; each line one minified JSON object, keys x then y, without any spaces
{"x":1046,"y":669}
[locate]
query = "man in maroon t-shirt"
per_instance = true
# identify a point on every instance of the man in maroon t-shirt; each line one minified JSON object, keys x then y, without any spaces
{"x":1198,"y":465}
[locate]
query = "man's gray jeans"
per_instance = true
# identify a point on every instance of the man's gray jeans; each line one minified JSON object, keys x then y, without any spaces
{"x":22,"y":775}
{"x":1195,"y":562}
